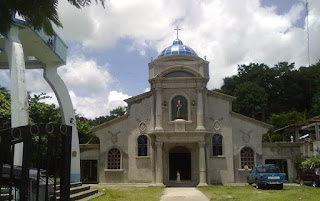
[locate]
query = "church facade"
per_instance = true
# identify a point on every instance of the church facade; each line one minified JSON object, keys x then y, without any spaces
{"x":178,"y":133}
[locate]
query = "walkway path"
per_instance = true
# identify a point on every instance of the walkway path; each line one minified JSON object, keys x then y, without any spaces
{"x":183,"y":194}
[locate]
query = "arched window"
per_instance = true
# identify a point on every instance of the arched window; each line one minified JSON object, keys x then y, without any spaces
{"x":179,"y":108}
{"x":114,"y":159}
{"x":216,"y":145}
{"x":247,"y":158}
{"x":142,"y":145}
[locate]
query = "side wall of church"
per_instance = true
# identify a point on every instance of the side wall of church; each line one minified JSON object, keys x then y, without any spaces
{"x":114,"y":136}
{"x":218,"y":121}
{"x":246,"y":134}
{"x":140,"y":168}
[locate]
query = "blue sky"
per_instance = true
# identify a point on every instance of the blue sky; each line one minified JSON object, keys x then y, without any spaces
{"x":109,"y":49}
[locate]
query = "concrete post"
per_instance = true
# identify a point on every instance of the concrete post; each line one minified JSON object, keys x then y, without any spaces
{"x":202,"y":165}
{"x":159,"y":165}
{"x":68,"y":117}
{"x":316,"y":129}
{"x":19,"y":98}
{"x":158,"y":110}
{"x":200,"y":124}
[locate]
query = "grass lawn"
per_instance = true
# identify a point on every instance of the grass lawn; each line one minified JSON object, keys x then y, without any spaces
{"x":247,"y":193}
{"x":130,"y":194}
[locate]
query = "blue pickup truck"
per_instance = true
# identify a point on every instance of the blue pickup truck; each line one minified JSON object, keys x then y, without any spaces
{"x":263,"y":175}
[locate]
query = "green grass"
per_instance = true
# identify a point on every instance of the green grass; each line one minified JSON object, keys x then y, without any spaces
{"x":130,"y":194}
{"x":248,"y":193}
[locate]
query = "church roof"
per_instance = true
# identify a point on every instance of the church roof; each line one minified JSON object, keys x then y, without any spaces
{"x":177,"y":48}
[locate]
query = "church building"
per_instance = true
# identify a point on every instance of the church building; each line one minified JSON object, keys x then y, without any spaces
{"x":178,"y":133}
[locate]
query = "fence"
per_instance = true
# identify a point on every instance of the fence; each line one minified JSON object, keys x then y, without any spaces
{"x":45,"y":162}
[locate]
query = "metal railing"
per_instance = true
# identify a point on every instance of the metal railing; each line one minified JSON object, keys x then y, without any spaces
{"x":46,"y":161}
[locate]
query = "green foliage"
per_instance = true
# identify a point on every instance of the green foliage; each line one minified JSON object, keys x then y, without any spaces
{"x":286,"y":88}
{"x":5,"y":114}
{"x":40,"y":112}
{"x":311,"y":163}
{"x":115,"y":113}
{"x":84,"y":127}
{"x":280,"y":121}
{"x":251,"y":100}
{"x":315,"y":106}
{"x":38,"y":14}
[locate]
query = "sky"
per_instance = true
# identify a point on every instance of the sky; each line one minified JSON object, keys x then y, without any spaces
{"x":109,"y":48}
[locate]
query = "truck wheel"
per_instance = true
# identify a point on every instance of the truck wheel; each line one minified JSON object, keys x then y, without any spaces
{"x":301,"y":182}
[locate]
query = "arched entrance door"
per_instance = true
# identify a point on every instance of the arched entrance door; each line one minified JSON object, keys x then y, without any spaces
{"x":179,"y":160}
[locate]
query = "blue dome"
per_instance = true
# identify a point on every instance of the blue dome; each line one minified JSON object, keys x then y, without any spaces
{"x":177,"y":48}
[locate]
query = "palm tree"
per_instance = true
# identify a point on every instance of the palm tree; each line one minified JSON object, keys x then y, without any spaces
{"x":37,"y":13}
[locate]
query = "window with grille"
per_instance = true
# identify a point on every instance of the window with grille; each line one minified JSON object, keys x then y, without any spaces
{"x":142,"y":145}
{"x":114,"y":159}
{"x":217,"y":145}
{"x":247,"y":158}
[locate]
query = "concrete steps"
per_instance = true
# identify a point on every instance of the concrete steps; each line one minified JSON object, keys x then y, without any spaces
{"x":79,"y":192}
{"x":4,"y":194}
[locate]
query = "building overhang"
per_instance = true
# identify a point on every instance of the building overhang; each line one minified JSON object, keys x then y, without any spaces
{"x":39,"y":49}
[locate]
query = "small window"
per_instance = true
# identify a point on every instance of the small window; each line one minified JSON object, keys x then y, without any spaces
{"x":247,"y":158}
{"x":142,"y":145}
{"x":217,"y":145}
{"x":114,"y":159}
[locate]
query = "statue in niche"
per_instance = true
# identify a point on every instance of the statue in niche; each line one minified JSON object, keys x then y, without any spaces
{"x":179,"y":109}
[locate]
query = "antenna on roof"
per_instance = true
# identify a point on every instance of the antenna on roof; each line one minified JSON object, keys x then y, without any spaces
{"x":177,"y":29}
{"x":307,"y":19}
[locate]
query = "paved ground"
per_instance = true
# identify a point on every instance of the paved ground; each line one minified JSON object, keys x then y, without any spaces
{"x":183,"y":194}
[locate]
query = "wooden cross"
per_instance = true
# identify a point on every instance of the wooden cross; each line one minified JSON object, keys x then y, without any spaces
{"x":177,"y":29}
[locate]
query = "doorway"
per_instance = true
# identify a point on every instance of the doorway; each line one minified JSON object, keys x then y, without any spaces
{"x":89,"y":171}
{"x":179,"y":161}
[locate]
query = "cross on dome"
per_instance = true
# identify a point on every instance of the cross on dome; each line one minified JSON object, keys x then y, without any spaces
{"x":177,"y":29}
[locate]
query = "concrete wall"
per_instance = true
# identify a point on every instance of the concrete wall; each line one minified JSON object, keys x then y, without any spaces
{"x":89,"y":151}
{"x":119,"y":131}
{"x":246,"y":132}
{"x":139,"y":166}
{"x":218,"y":120}
{"x":289,"y":151}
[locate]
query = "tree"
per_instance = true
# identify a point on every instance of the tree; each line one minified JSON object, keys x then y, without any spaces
{"x":311,"y":163}
{"x":115,"y":113}
{"x":5,"y":112}
{"x":281,"y":121}
{"x":38,"y":14}
{"x":315,"y":106}
{"x":40,"y":112}
{"x":251,"y":100}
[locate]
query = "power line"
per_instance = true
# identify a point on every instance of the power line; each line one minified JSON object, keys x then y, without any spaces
{"x":308,"y":37}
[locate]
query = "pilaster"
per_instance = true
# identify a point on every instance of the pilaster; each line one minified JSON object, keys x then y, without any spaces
{"x":158,"y":109}
{"x":159,"y":165}
{"x":200,"y":113}
{"x":202,"y":165}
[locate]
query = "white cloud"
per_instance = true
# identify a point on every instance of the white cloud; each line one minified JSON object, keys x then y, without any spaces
{"x":228,"y":32}
{"x":89,"y":86}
